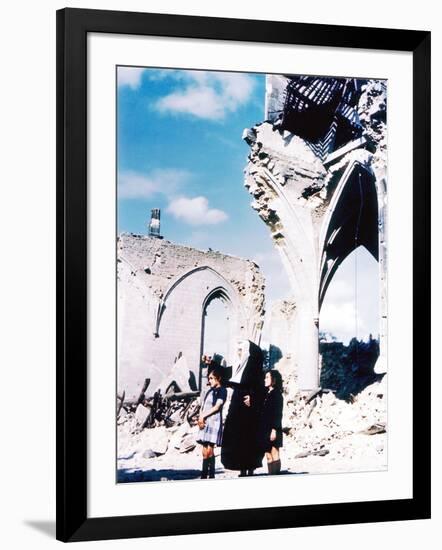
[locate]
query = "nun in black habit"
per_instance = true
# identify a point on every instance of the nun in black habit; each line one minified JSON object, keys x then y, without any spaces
{"x":240,"y":449}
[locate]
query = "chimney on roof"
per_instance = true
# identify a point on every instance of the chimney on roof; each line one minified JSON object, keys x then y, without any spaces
{"x":154,"y":224}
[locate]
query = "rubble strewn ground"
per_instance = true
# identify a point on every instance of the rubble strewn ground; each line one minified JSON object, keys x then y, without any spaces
{"x":322,"y":435}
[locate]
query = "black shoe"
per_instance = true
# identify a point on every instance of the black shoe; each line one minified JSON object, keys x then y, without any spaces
{"x":277,"y":466}
{"x":211,"y":467}
{"x":205,"y":469}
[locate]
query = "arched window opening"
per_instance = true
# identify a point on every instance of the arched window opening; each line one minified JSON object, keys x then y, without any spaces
{"x":353,"y":223}
{"x":216,"y":328}
{"x":349,"y":325}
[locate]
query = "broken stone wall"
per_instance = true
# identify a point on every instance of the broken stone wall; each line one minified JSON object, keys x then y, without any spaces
{"x":299,"y":191}
{"x":163,"y":289}
{"x":282,"y":348}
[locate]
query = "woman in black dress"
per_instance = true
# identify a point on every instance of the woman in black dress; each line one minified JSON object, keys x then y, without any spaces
{"x":240,"y":450}
{"x":270,"y":421}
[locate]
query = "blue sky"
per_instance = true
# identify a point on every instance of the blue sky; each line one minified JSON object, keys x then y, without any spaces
{"x":180,"y":149}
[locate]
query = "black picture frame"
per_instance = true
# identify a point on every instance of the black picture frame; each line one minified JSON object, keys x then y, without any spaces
{"x":73,"y":25}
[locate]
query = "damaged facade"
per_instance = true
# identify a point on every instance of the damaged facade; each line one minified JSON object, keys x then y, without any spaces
{"x":163,"y":292}
{"x":317,"y":173}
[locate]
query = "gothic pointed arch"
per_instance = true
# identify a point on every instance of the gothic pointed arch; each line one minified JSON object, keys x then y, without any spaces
{"x":223,"y":288}
{"x":352,"y":222}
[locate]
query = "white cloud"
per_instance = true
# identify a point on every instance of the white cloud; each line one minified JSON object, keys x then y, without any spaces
{"x":134,"y":185}
{"x":130,"y":76}
{"x":199,"y":101}
{"x":196,"y":211}
{"x":340,"y":320}
{"x":236,"y":87}
{"x":207,"y":95}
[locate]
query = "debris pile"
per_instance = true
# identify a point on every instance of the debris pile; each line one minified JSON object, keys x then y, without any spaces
{"x":323,"y":434}
{"x":169,"y":411}
{"x":154,"y":427}
{"x":320,"y":425}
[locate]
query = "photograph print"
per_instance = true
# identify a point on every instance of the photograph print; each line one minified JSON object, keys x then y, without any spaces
{"x":251,"y":273}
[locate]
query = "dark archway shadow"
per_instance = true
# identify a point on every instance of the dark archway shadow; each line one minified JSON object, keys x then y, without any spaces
{"x":46,"y":527}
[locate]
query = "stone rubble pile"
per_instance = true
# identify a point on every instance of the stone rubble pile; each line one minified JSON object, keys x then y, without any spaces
{"x":137,"y":444}
{"x":339,"y":436}
{"x":330,"y":426}
{"x":151,"y":442}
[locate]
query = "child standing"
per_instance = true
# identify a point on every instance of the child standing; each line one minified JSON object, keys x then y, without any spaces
{"x":270,"y":426}
{"x":210,"y":422}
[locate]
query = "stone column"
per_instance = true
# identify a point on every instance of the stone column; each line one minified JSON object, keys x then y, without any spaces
{"x":277,"y":174}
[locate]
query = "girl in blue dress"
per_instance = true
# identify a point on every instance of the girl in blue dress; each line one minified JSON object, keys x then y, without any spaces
{"x":210,"y":422}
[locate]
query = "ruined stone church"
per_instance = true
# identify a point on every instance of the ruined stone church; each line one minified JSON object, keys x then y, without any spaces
{"x":317,"y":174}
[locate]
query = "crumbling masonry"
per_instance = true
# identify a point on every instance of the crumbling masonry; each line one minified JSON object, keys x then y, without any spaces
{"x":317,"y":172}
{"x":163,"y":292}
